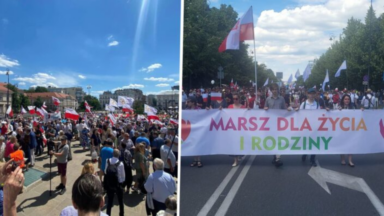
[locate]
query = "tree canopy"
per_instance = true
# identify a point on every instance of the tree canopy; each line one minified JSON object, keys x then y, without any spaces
{"x":361,"y":45}
{"x":92,"y":101}
{"x":37,"y":89}
{"x":204,"y":30}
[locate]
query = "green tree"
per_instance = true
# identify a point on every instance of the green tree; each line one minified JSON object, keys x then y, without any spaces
{"x":38,"y":102}
{"x":154,"y":102}
{"x":138,"y":106}
{"x":24,"y":101}
{"x":41,"y":89}
{"x":92,"y":101}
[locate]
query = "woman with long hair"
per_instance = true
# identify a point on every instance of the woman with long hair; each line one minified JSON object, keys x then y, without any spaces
{"x":345,"y":103}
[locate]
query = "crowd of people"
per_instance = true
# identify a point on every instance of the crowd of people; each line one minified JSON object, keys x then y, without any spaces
{"x":116,"y":148}
{"x":275,"y":97}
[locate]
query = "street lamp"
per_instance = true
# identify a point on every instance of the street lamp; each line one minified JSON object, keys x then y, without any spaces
{"x":7,"y":93}
{"x":89,"y":89}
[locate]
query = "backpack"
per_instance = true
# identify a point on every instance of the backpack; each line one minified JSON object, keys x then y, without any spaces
{"x":111,"y":179}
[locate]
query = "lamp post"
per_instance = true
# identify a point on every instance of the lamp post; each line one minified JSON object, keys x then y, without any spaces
{"x":89,"y":89}
{"x":7,"y":94}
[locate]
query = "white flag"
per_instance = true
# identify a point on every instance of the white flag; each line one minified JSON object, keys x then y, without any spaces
{"x":122,"y":100}
{"x":149,"y":109}
{"x":307,"y":72}
{"x":343,"y":66}
{"x":326,"y":79}
{"x":297,"y":75}
{"x":112,"y":102}
{"x":266,"y":82}
{"x":112,"y":119}
{"x":290,"y":79}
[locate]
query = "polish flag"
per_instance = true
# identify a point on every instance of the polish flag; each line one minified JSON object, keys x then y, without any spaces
{"x":31,"y":110}
{"x":71,"y":114}
{"x":56,"y":101}
{"x":173,"y":121}
{"x":112,"y":119}
{"x":9,"y":111}
{"x":243,"y":30}
{"x":23,"y":111}
{"x":205,"y":97}
{"x":231,"y":85}
{"x":41,"y":112}
{"x":127,"y":108}
{"x":215,"y":96}
{"x":152,"y":116}
{"x":44,"y":106}
{"x":87,"y":107}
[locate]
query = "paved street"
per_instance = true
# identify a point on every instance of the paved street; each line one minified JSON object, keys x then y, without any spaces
{"x":35,"y":199}
{"x":261,"y":189}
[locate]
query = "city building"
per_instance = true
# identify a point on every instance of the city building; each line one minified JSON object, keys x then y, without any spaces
{"x":168,"y":100}
{"x":136,"y":94}
{"x":76,"y":92}
{"x":3,"y":98}
{"x":152,"y":100}
{"x":66,"y":101}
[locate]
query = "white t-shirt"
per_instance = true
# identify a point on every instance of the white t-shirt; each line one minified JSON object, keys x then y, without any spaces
{"x":175,"y":142}
{"x":368,"y":103}
{"x":309,"y":106}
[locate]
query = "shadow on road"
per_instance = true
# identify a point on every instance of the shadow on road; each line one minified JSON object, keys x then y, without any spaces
{"x":37,"y":201}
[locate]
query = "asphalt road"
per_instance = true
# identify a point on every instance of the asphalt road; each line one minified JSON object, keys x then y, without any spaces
{"x":261,"y":189}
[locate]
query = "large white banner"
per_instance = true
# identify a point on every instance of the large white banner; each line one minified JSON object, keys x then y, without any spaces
{"x":260,"y":132}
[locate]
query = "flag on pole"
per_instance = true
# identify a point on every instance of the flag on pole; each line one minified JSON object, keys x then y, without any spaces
{"x":343,"y":66}
{"x":122,"y":100}
{"x":56,"y":101}
{"x":41,"y":112}
{"x":326,"y":79}
{"x":71,"y":114}
{"x":23,"y":111}
{"x":44,"y":106}
{"x":112,"y":102}
{"x":31,"y":110}
{"x":112,"y":119}
{"x":243,"y":30}
{"x":87,"y":107}
{"x":127,"y":108}
{"x":290,"y":79}
{"x":307,"y":72}
{"x":9,"y":111}
{"x":266,"y":82}
{"x":149,"y":109}
{"x":297,"y":75}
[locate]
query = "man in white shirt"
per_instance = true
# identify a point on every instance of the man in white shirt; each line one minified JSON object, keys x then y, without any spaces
{"x":113,"y":185}
{"x":368,"y":100}
{"x":168,"y":157}
{"x":171,"y":136}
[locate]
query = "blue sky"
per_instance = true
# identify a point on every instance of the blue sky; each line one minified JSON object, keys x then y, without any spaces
{"x":106,"y":44}
{"x":290,"y":33}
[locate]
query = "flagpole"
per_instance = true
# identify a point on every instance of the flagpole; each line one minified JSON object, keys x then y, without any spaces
{"x":254,"y":50}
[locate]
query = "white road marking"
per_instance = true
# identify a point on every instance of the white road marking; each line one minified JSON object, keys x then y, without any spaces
{"x":219,"y":190}
{"x":235,"y":188}
{"x":322,"y":176}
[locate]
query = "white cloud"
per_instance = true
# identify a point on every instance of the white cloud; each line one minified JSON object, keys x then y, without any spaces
{"x":5,"y":72}
{"x":22,"y":83}
{"x":43,"y":79}
{"x":176,"y":75}
{"x":162,"y":85}
{"x":7,"y":62}
{"x":130,"y":86}
{"x":286,"y":40}
{"x":176,"y":82}
{"x":113,"y":43}
{"x":151,"y":68}
{"x":81,"y":76}
{"x":159,"y":79}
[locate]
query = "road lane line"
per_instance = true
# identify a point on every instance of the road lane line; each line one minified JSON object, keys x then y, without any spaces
{"x":235,"y":188}
{"x":219,"y":190}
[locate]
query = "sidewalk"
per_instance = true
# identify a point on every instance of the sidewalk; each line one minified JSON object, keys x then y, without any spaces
{"x":35,"y":199}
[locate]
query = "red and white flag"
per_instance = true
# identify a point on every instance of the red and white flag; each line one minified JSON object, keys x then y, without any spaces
{"x":9,"y":111}
{"x":41,"y":112}
{"x":141,"y":118}
{"x":44,"y":106}
{"x":31,"y":110}
{"x":71,"y":114}
{"x":87,"y":107}
{"x":152,"y":116}
{"x":173,"y":121}
{"x":215,"y":96}
{"x":149,"y":109}
{"x":23,"y":111}
{"x":112,"y":119}
{"x":243,"y":30}
{"x":56,"y":101}
{"x":231,"y":85}
{"x":205,"y":97}
{"x":127,"y":108}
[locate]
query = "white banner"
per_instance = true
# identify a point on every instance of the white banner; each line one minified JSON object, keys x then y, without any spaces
{"x":122,"y":101}
{"x":259,"y":132}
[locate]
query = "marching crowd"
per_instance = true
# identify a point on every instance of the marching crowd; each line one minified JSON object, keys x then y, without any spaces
{"x":116,"y":148}
{"x":274,"y":97}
